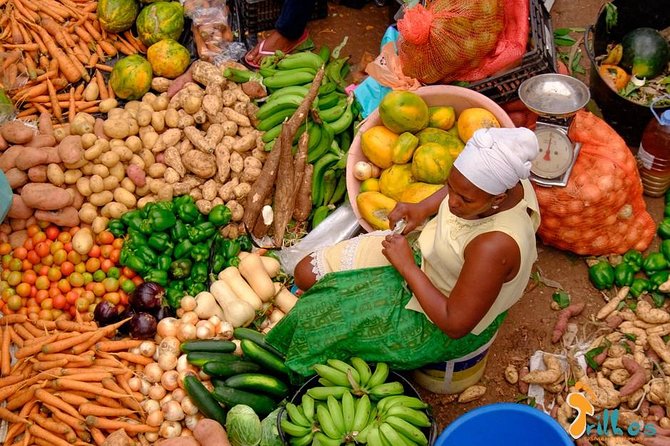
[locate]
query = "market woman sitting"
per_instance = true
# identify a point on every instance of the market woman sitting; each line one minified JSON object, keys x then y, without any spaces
{"x":425,"y":296}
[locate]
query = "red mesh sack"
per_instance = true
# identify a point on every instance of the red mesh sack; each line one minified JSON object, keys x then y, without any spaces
{"x":447,"y":37}
{"x":601,"y":210}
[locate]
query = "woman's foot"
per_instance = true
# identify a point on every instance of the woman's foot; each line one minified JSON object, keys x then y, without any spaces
{"x":267,"y":47}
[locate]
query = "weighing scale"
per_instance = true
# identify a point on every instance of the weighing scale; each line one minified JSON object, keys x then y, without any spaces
{"x":555,"y":98}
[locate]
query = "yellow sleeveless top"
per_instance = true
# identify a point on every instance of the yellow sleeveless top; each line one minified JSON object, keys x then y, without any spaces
{"x":444,"y":238}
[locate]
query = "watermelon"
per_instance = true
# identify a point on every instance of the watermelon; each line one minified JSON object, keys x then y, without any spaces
{"x":117,"y":15}
{"x":131,"y":77}
{"x":645,"y":52}
{"x":168,"y":58}
{"x":160,"y":20}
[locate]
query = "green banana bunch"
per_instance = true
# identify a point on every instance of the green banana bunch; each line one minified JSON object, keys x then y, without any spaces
{"x":360,"y":378}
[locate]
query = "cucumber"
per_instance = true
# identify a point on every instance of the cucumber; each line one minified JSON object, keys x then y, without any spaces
{"x":224,"y":369}
{"x":204,"y":400}
{"x":212,"y":345}
{"x":271,"y":362}
{"x":256,"y":336}
{"x":200,"y":358}
{"x":259,"y":382}
{"x":261,"y":404}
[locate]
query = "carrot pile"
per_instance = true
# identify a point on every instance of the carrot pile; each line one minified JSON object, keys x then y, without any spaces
{"x":68,"y":385}
{"x":50,"y":49}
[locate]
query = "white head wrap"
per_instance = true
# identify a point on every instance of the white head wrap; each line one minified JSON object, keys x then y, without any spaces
{"x":495,"y":159}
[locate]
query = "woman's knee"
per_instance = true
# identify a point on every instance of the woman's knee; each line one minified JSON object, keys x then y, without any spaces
{"x":303,"y":274}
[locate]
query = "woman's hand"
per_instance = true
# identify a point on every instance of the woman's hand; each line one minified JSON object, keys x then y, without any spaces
{"x":410,"y":212}
{"x":397,"y":250}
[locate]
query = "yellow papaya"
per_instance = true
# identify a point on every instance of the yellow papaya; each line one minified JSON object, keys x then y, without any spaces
{"x":453,"y":131}
{"x":443,"y":138}
{"x":431,"y":163}
{"x":472,"y":119}
{"x":394,"y":180}
{"x":403,"y":111}
{"x":375,"y":207}
{"x":377,"y":145}
{"x":371,"y":184}
{"x":404,"y":148}
{"x":418,"y":191}
{"x":442,"y":117}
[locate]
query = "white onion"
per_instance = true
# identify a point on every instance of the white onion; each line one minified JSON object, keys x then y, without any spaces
{"x":135,"y":350}
{"x":153,"y":372}
{"x":145,"y":387}
{"x":156,"y":392}
{"x":167,"y":327}
{"x":182,"y":363}
{"x":215,"y":321}
{"x":190,"y":317}
{"x":155,"y":418}
{"x":191,"y":420}
{"x":147,"y":349}
{"x":188,"y":407}
{"x":151,"y":437}
{"x":362,"y":170}
{"x":188,"y":303}
{"x":135,"y":384}
{"x":205,"y":330}
{"x":151,"y":406}
{"x":167,"y":362}
{"x":178,"y":394}
{"x":170,"y":379}
{"x":225,"y":330}
{"x":186,"y":332}
{"x":166,"y":399}
{"x":170,"y":429}
{"x":173,"y":411}
{"x":169,"y":345}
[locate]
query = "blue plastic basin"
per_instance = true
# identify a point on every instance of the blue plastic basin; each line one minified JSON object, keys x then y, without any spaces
{"x":504,"y":424}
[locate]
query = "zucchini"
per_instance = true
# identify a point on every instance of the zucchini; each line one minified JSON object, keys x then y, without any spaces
{"x":261,"y":404}
{"x":204,"y":400}
{"x":224,"y":369}
{"x":260,"y":383}
{"x":200,"y":358}
{"x":258,"y":337}
{"x":211,"y":345}
{"x":264,"y":358}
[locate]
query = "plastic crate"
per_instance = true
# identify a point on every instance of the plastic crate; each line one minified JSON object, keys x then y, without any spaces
{"x":261,"y":15}
{"x":540,"y":58}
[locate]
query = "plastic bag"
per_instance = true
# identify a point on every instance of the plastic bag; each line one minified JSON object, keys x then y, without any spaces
{"x":387,"y":70}
{"x":214,"y":31}
{"x":601,"y":211}
{"x":341,"y":225}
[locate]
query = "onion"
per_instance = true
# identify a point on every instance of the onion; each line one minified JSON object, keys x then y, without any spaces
{"x":106,"y":313}
{"x":147,"y":348}
{"x":157,"y":392}
{"x":164,"y":312}
{"x":178,"y":394}
{"x":190,"y":317}
{"x":226,"y":330}
{"x":143,"y":326}
{"x":362,"y":170}
{"x":204,"y":330}
{"x":135,"y":384}
{"x":151,"y":437}
{"x":170,"y":429}
{"x":169,"y":346}
{"x":147,"y":297}
{"x":155,"y":418}
{"x":188,"y":303}
{"x":173,"y":411}
{"x":182,"y":363}
{"x":238,"y":347}
{"x":186,"y":332}
{"x":167,"y":361}
{"x":188,"y":407}
{"x":170,"y":379}
{"x":134,"y":351}
{"x":166,"y":399}
{"x":191,"y":420}
{"x":153,"y":372}
{"x":151,"y":406}
{"x":167,"y":327}
{"x":146,"y":386}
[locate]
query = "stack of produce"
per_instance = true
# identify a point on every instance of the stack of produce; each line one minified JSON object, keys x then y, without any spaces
{"x":411,"y":153}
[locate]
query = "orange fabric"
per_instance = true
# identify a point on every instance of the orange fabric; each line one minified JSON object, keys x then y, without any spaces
{"x":601,"y":211}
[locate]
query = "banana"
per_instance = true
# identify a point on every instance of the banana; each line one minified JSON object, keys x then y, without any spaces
{"x":334,"y":113}
{"x":294,"y":430}
{"x":345,"y":137}
{"x":282,"y":102}
{"x":340,"y":190}
{"x":334,"y":72}
{"x":407,"y":429}
{"x":326,"y":87}
{"x":329,"y":100}
{"x":275,"y":119}
{"x":328,"y":185}
{"x":267,"y":71}
{"x":363,"y":407}
{"x":320,"y":167}
{"x":325,"y":383}
{"x":324,"y":53}
{"x":305,"y":440}
{"x":322,"y":393}
{"x":343,"y":122}
{"x":416,"y":417}
{"x":374,"y":437}
{"x":362,"y":367}
{"x":304,"y":59}
{"x":235,"y":75}
{"x":373,"y":414}
{"x":386,"y":389}
{"x":348,"y":411}
{"x":297,"y":417}
{"x":403,"y":400}
{"x":331,"y":374}
{"x":272,"y":134}
{"x":307,"y":405}
{"x":315,"y":134}
{"x":391,"y":436}
{"x":326,"y":423}
{"x":300,"y":90}
{"x":335,"y":409}
{"x":327,"y":136}
{"x":362,"y":435}
{"x":288,"y":78}
{"x":379,"y":375}
{"x":269,"y":61}
{"x":320,"y":439}
{"x":320,"y":214}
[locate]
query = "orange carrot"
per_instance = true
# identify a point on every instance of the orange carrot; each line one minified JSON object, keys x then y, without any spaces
{"x":21,"y":330}
{"x":89,"y":376}
{"x":134,"y":358}
{"x":74,"y":326}
{"x":114,"y":346}
{"x":43,"y":324}
{"x":70,"y":71}
{"x":55,"y":106}
{"x":107,"y":48}
{"x":44,"y":434}
{"x":95,"y":337}
{"x":103,"y":411}
{"x":72,"y":398}
{"x":103,"y":67}
{"x":13,"y":319}
{"x":34,"y":331}
{"x":46,"y":365}
{"x":22,"y":46}
{"x":102,"y":86}
{"x":109,"y":402}
{"x":70,"y":384}
{"x":92,"y":31}
{"x":106,"y":362}
{"x":14,"y":337}
{"x":21,"y":398}
{"x":112,"y":425}
{"x":5,"y":357}
{"x":13,"y":431}
{"x":47,"y":398}
{"x":11,"y":379}
{"x":98,"y":436}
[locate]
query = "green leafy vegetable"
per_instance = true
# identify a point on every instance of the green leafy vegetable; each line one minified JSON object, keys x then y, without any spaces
{"x":562,"y":298}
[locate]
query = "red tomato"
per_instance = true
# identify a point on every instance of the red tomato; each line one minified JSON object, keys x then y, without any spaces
{"x":66,"y":268}
{"x":118,"y":243}
{"x":52,"y":232}
{"x":20,"y":253}
{"x":105,"y":238}
{"x":59,"y":302}
{"x":32,"y":230}
{"x":33,"y":257}
{"x":94,"y":252}
{"x":42,"y":249}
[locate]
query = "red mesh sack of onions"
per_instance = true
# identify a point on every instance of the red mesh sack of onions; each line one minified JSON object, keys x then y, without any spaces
{"x":601,"y":210}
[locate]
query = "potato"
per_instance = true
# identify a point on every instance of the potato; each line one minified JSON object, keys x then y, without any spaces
{"x":158,"y":121}
{"x":156,"y":170}
{"x":110,"y":159}
{"x":161,"y":103}
{"x":171,"y":118}
{"x":101,"y":170}
{"x":67,"y":217}
{"x":70,"y":149}
{"x":82,"y":123}
{"x":77,"y":198}
{"x":31,"y":157}
{"x":82,"y":241}
{"x":98,"y":128}
{"x":94,"y":152}
{"x":107,"y":104}
{"x":96,"y":183}
{"x":117,"y":128}
{"x":16,"y":178}
{"x":160,"y":84}
{"x":19,"y":209}
{"x":118,"y":171}
{"x":91,"y":92}
{"x":83,"y":185}
{"x":55,"y":175}
{"x":101,"y":198}
{"x":148,"y":157}
{"x":87,"y":140}
{"x":87,"y":213}
{"x":38,"y":174}
{"x":45,"y":196}
{"x":111,"y":182}
{"x":61,"y":132}
{"x":99,"y":224}
{"x":144,"y":200}
{"x":201,"y":164}
{"x":114,"y":209}
{"x":144,"y":115}
{"x":125,"y":198}
{"x":71,"y":176}
{"x":16,"y":132}
{"x":137,"y":175}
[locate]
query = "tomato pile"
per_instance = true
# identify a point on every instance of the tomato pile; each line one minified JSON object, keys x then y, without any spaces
{"x":46,"y":278}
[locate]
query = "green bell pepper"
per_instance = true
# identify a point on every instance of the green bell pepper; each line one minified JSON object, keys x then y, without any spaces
{"x":173,"y":297}
{"x":125,"y":253}
{"x":233,"y":261}
{"x":245,"y":242}
{"x":657,"y":278}
{"x":218,"y":263}
{"x":147,"y":254}
{"x":133,"y":217}
{"x":200,"y":252}
{"x":188,"y":211}
{"x":638,"y":287}
{"x":655,"y":261}
{"x":220,"y":215}
{"x":201,"y":232}
{"x":136,"y":264}
{"x":665,"y":249}
{"x":167,"y":205}
{"x":195,"y":287}
{"x":602,"y":275}
{"x":623,"y":274}
{"x":663,"y":230}
{"x":232,"y":248}
{"x":634,"y":258}
{"x":199,"y":272}
{"x":179,"y":231}
{"x":161,"y":219}
{"x":666,"y":210}
{"x":180,"y":269}
{"x":157,"y":276}
{"x":117,"y":228}
{"x":160,"y":241}
{"x":183,"y":249}
{"x":163,"y":262}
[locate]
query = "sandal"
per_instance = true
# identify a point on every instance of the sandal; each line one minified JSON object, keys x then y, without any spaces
{"x":263,"y":52}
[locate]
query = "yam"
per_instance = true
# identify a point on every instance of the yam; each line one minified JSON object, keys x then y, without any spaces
{"x":42,"y":141}
{"x":45,"y":197}
{"x":3,"y":144}
{"x":70,"y":149}
{"x":16,"y":132}
{"x":19,"y":208}
{"x":67,"y":217}
{"x":8,"y":158}
{"x":16,"y":178}
{"x":199,"y":163}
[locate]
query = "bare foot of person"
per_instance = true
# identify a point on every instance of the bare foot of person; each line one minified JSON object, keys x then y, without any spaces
{"x":269,"y":45}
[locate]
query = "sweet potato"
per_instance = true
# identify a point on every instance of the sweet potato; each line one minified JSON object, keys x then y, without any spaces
{"x":67,"y":216}
{"x":38,"y":174}
{"x":3,"y":144}
{"x":136,"y":175}
{"x":179,"y":441}
{"x":42,"y":141}
{"x":210,"y":433}
{"x":8,"y":157}
{"x":16,"y":132}
{"x":638,"y":376}
{"x":31,"y":157}
{"x":16,"y":178}
{"x":45,"y":196}
{"x":44,"y":124}
{"x":254,"y":90}
{"x":562,"y":321}
{"x":70,"y":149}
{"x":19,"y":208}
